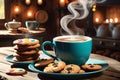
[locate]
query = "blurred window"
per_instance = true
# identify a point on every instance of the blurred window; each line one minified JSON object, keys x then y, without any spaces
{"x":2,"y":9}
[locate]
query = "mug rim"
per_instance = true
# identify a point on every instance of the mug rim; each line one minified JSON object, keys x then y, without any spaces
{"x":31,"y":21}
{"x":55,"y":38}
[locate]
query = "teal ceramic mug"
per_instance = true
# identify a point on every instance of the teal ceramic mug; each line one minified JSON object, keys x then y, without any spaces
{"x":32,"y":25}
{"x":70,"y":49}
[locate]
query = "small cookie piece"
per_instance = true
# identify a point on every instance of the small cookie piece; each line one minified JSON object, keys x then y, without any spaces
{"x":26,"y":41}
{"x":55,"y":67}
{"x":43,"y":62}
{"x":16,"y":71}
{"x":71,"y":69}
{"x":91,"y":67}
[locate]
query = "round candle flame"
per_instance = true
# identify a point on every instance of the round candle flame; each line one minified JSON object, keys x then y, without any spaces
{"x":62,"y":3}
{"x":16,"y":9}
{"x":27,"y":2}
{"x":39,"y":2}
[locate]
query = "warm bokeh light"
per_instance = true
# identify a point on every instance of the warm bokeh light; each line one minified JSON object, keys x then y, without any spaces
{"x":27,"y":2}
{"x":16,"y":9}
{"x":62,"y":3}
{"x":66,"y":1}
{"x":107,"y":21}
{"x":116,"y":20}
{"x":97,"y":20}
{"x":111,"y":20}
{"x":39,"y":2}
{"x":94,"y":8}
{"x":29,"y":14}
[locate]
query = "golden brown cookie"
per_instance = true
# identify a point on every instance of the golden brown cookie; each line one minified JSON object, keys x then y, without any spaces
{"x":71,"y":69}
{"x":55,"y":67}
{"x":26,"y":47}
{"x":26,"y":41}
{"x":15,"y":59}
{"x":27,"y":57}
{"x":91,"y":67}
{"x":22,"y":30}
{"x":43,"y":62}
{"x":28,"y":52}
{"x":16,"y":71}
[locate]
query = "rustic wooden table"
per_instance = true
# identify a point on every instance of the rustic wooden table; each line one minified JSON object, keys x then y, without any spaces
{"x":112,"y":73}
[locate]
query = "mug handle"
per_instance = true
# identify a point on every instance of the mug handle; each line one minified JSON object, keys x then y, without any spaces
{"x":6,"y":25}
{"x":44,"y":51}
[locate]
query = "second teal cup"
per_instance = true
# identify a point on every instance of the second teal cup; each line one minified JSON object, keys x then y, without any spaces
{"x":32,"y":25}
{"x":70,"y":49}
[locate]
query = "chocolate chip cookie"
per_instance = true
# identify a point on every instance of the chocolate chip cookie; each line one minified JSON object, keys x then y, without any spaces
{"x":91,"y":67}
{"x":71,"y":69}
{"x":55,"y":66}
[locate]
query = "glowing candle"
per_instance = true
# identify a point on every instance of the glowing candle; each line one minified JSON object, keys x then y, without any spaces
{"x":27,"y":2}
{"x":39,"y":2}
{"x":97,"y":20}
{"x":107,"y":21}
{"x":62,"y":3}
{"x":116,"y":20}
{"x":29,"y":14}
{"x":111,"y":20}
{"x":16,"y":9}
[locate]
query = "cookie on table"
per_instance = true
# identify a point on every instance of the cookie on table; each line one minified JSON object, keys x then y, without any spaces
{"x":71,"y":69}
{"x":26,"y":41}
{"x":43,"y":62}
{"x":22,"y":30}
{"x":55,"y":67}
{"x":91,"y":67}
{"x":17,"y":71}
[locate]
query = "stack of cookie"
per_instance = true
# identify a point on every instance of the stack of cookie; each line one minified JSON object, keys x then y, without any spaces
{"x":26,"y":49}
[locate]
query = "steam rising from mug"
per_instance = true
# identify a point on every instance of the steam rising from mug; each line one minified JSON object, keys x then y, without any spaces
{"x":78,"y":10}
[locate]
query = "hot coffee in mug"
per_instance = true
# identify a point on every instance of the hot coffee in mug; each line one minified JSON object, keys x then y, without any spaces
{"x":73,"y":49}
{"x":72,"y":39}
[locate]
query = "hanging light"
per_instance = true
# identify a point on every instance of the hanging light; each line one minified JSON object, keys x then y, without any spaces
{"x":28,"y":2}
{"x":94,"y":8}
{"x":39,"y":2}
{"x":17,"y":9}
{"x":62,"y":3}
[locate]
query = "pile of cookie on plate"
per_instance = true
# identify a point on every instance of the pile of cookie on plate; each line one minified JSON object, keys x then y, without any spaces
{"x":49,"y":65}
{"x":26,"y":49}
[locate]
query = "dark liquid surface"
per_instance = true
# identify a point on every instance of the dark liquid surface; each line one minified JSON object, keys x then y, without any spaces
{"x":72,"y":39}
